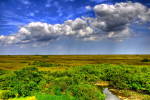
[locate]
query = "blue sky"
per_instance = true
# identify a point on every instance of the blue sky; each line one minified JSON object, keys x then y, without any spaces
{"x":124,"y":37}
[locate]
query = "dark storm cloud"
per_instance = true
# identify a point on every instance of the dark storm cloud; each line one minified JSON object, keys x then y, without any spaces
{"x":111,"y":21}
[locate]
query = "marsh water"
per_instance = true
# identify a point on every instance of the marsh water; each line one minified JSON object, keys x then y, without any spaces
{"x":109,"y":95}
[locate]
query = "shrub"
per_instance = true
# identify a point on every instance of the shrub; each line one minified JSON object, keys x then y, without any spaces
{"x":2,"y":72}
{"x":86,"y":92}
{"x":145,"y":60}
{"x":43,"y":64}
{"x":24,"y":82}
{"x":44,"y":56}
{"x":77,"y":81}
{"x":7,"y":94}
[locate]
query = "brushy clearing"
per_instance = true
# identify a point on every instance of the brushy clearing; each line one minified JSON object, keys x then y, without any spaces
{"x":43,"y":78}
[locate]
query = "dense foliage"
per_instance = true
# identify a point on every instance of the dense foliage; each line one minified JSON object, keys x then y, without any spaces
{"x":76,"y":83}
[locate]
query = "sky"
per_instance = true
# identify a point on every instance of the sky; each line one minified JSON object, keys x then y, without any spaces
{"x":66,"y":27}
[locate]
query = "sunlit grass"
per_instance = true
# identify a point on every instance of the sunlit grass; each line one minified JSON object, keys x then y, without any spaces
{"x":25,"y":98}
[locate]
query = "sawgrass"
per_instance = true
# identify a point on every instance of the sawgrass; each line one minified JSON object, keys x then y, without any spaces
{"x":18,"y":62}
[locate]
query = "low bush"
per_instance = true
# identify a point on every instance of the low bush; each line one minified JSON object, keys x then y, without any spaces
{"x":43,"y":64}
{"x":2,"y":72}
{"x":7,"y":94}
{"x":86,"y":92}
{"x":145,"y":60}
{"x":24,"y":82}
{"x":77,"y":81}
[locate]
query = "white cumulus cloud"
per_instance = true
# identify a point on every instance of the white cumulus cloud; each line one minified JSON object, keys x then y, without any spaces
{"x":88,"y":7}
{"x":111,"y":21}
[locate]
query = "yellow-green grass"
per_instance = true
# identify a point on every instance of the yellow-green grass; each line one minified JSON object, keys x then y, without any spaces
{"x":25,"y":98}
{"x":17,"y":62}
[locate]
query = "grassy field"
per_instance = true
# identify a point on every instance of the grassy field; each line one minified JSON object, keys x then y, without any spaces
{"x":17,"y":62}
{"x":74,"y":77}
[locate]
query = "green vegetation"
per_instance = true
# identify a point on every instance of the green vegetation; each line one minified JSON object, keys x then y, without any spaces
{"x":43,"y":64}
{"x":53,"y":97}
{"x":74,"y":82}
{"x":18,"y":62}
{"x":145,"y":60}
